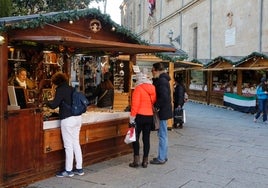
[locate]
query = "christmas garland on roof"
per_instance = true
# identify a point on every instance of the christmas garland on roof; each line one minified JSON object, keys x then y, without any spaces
{"x":34,"y":21}
{"x":166,"y":57}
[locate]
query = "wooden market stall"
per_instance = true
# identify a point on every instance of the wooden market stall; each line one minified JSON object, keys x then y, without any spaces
{"x":174,"y":63}
{"x":250,"y":69}
{"x":83,"y":44}
{"x":220,"y":78}
{"x":196,"y":81}
{"x":194,"y":78}
{"x":229,"y":81}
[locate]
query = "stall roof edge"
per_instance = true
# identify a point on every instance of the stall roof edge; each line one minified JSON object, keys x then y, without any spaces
{"x":39,"y":20}
{"x":230,"y":59}
{"x":252,"y":55}
{"x":203,"y":62}
{"x":177,"y":55}
{"x":125,"y":48}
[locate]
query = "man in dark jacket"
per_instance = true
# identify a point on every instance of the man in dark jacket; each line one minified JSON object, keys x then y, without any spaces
{"x":163,"y":103}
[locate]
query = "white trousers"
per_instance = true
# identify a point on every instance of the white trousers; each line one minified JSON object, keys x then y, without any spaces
{"x":70,"y":130}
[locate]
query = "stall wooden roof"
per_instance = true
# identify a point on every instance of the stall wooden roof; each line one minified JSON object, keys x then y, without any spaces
{"x":254,"y":61}
{"x":178,"y":65}
{"x":203,"y":62}
{"x":56,"y":28}
{"x":223,"y":62}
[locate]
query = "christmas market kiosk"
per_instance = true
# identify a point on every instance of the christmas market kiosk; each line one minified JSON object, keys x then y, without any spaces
{"x":84,"y":44}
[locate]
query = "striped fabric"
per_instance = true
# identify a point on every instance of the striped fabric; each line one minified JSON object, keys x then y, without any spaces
{"x":240,"y":103}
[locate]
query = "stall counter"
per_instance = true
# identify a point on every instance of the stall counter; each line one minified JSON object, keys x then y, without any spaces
{"x":89,"y":117}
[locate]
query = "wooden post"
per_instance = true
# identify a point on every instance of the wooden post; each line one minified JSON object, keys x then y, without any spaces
{"x":132,"y":61}
{"x":3,"y":99}
{"x":171,"y":83}
{"x":239,"y":82}
{"x":209,"y":86}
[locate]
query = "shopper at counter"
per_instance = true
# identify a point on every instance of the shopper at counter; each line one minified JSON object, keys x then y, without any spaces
{"x":141,"y":116}
{"x":105,"y":92}
{"x":21,"y":80}
{"x":163,"y":103}
{"x":70,"y":125}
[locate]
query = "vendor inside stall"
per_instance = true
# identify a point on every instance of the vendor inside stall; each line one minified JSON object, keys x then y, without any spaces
{"x":21,"y":79}
{"x":105,"y":92}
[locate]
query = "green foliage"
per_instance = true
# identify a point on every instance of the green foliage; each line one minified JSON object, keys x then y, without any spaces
{"x":26,"y":7}
{"x":170,"y":58}
{"x":41,"y":19}
{"x":5,"y":8}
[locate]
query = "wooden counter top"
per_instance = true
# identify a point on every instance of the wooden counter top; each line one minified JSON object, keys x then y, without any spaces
{"x":89,"y":117}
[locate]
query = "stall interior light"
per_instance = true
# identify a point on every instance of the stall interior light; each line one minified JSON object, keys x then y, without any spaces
{"x":2,"y":40}
{"x":11,"y":49}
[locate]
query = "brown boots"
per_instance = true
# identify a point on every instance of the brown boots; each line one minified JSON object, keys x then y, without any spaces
{"x":136,"y":162}
{"x":145,"y":162}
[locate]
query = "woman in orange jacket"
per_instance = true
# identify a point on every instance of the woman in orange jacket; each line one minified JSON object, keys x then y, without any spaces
{"x":143,"y":98}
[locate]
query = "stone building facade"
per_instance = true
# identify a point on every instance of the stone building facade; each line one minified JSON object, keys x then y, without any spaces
{"x":204,"y":29}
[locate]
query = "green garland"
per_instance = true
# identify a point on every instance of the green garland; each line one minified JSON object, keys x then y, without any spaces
{"x":169,"y":58}
{"x":34,"y":21}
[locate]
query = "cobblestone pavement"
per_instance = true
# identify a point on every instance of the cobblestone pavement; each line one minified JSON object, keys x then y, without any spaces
{"x":217,"y":148}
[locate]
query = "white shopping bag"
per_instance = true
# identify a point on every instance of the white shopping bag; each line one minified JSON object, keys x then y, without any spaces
{"x":184,"y":116}
{"x":131,"y":135}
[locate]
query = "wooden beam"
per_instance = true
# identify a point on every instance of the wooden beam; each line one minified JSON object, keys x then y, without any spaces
{"x":93,"y":44}
{"x":239,"y":81}
{"x":3,"y":99}
{"x":171,"y":83}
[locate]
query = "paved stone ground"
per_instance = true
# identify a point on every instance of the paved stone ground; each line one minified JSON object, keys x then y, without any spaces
{"x":217,"y":148}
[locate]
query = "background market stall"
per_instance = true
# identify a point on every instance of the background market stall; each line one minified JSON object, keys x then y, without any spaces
{"x":229,"y":81}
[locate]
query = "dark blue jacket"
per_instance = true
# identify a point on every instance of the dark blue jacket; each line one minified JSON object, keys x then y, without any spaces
{"x":163,"y":96}
{"x":63,"y":93}
{"x":179,"y":93}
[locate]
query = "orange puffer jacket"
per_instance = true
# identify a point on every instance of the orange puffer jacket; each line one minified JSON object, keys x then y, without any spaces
{"x":143,"y":97}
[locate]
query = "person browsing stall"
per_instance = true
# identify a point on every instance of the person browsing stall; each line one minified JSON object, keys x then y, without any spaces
{"x":163,"y":104}
{"x":141,"y":116}
{"x":70,"y":125}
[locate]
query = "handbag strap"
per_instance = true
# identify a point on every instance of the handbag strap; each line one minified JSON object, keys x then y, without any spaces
{"x":103,"y":95}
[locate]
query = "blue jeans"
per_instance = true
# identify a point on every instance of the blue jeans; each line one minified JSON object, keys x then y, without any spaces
{"x":163,"y":141}
{"x":262,"y":108}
